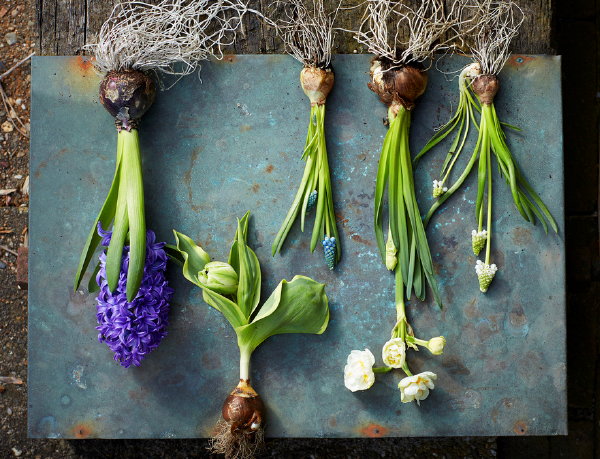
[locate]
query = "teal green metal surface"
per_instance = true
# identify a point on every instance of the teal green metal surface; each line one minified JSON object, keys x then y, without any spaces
{"x":213,"y":149}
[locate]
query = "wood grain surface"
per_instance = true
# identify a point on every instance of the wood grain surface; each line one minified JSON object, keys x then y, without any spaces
{"x":65,"y":26}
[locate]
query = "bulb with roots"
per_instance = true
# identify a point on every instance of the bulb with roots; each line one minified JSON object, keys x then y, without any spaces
{"x":316,"y":83}
{"x":127,"y":95}
{"x":486,"y":87}
{"x":397,"y":85}
{"x":241,"y":433}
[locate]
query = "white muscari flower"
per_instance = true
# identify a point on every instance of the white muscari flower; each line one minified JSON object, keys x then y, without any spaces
{"x":478,"y":239}
{"x":394,"y":353}
{"x":358,"y":372}
{"x":438,"y":188}
{"x":485,"y":274}
{"x":416,"y":387}
{"x":436,"y":345}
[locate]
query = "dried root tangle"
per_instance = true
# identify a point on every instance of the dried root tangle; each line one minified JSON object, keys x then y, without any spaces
{"x":494,"y":25}
{"x":430,"y":29}
{"x":170,"y":37}
{"x":236,"y":445}
{"x":305,"y":28}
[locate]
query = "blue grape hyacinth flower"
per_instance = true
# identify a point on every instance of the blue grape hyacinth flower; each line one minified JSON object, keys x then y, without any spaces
{"x":329,"y":248}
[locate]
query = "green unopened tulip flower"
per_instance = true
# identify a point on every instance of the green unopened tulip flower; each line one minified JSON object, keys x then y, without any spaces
{"x":219,"y":277}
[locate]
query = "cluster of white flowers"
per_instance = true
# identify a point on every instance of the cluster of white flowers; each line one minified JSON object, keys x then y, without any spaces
{"x":438,"y":188}
{"x":485,"y":274}
{"x":394,"y":353}
{"x":416,"y":387}
{"x":358,"y":372}
{"x":478,"y":239}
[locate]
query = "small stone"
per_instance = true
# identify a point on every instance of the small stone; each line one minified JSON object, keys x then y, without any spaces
{"x":19,"y":101}
{"x":11,"y":38}
{"x":8,"y":411}
{"x":2,"y":265}
{"x":14,"y":12}
{"x":18,"y":176}
{"x":17,"y":452}
{"x":7,"y":126}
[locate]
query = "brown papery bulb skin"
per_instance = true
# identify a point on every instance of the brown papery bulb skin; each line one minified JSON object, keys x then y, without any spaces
{"x":243,"y":409}
{"x":127,"y":95}
{"x":316,"y":84}
{"x":486,"y":87}
{"x":397,"y":86}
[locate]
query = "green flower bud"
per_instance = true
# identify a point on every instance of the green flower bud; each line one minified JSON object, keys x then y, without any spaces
{"x":478,"y":240}
{"x":391,"y":260}
{"x":219,"y":277}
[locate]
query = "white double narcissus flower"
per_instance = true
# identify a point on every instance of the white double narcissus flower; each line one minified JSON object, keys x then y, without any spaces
{"x":416,"y":387}
{"x":358,"y":372}
{"x":394,"y":353}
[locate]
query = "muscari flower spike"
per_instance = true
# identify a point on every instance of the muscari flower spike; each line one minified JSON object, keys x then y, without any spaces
{"x":134,"y":329}
{"x":478,"y":240}
{"x":312,"y":200}
{"x":330,"y":251}
{"x":438,"y":188}
{"x":485,"y":274}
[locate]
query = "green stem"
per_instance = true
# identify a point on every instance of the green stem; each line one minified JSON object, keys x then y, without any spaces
{"x":489,"y":209}
{"x":382,"y":369}
{"x":245,"y":356}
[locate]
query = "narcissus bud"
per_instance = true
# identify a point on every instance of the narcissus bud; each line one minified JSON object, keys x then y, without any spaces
{"x":219,"y":277}
{"x":436,"y":345}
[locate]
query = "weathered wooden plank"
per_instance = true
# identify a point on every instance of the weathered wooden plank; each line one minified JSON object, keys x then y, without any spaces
{"x":64,"y":26}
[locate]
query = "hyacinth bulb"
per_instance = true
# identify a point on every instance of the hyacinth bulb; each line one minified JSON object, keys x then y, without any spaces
{"x":134,"y":329}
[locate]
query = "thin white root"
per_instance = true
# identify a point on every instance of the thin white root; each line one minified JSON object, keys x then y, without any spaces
{"x":170,"y":37}
{"x":430,"y":29}
{"x":305,"y":28}
{"x":496,"y":24}
{"x":236,"y":445}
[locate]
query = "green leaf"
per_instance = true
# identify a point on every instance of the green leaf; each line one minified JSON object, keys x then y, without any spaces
{"x":299,"y":306}
{"x":106,"y":215}
{"x":225,"y":306}
{"x":174,"y":254}
{"x":194,"y":258}
{"x":248,"y":293}
{"x":92,"y":284}
{"x":380,"y":186}
{"x":135,"y":211}
{"x":114,"y":253}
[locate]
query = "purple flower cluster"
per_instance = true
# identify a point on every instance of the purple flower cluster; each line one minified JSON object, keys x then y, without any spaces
{"x":133,"y":329}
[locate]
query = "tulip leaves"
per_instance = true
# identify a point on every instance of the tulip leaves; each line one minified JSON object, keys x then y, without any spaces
{"x":298,"y":306}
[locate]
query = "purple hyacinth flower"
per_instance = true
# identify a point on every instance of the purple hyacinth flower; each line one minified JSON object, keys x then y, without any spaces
{"x":133,"y":329}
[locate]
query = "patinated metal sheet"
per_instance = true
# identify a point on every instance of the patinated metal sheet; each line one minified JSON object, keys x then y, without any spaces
{"x":215,"y":148}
